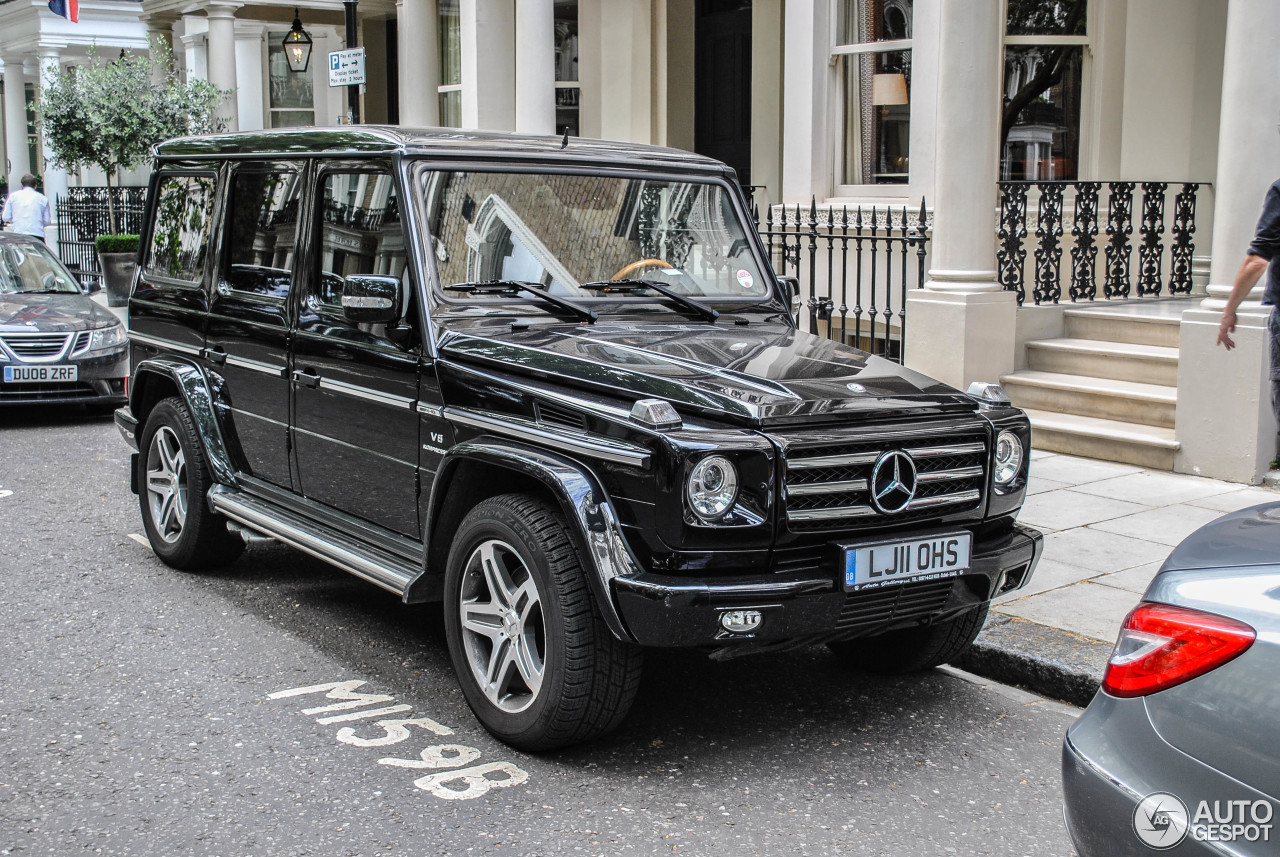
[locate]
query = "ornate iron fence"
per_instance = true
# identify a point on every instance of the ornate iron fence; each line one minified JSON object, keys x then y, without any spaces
{"x":855,"y":266}
{"x":83,"y":215}
{"x":1083,"y":221}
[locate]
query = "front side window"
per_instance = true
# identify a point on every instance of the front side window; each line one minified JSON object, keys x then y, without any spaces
{"x":873,"y":55}
{"x":180,"y":236}
{"x":360,"y":233}
{"x":262,"y":230}
{"x":1044,"y":60}
{"x":571,"y":234}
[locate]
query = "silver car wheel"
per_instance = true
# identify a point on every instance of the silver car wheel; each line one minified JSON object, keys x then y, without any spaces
{"x":167,"y":484}
{"x":502,"y":626}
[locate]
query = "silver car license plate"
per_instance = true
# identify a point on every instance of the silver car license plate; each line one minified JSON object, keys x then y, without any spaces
{"x":41,"y":374}
{"x":888,"y":563}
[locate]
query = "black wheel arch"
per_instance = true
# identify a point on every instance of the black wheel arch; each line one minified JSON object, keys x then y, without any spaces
{"x":158,"y":378}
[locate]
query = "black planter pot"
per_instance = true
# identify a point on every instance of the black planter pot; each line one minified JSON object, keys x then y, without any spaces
{"x":117,"y":273}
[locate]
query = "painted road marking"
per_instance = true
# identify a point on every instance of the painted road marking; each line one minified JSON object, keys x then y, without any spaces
{"x":142,"y":540}
{"x":5,"y":492}
{"x":453,"y":782}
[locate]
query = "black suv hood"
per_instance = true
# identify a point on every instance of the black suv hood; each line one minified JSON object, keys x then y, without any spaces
{"x":764,"y":373}
{"x":55,"y":313}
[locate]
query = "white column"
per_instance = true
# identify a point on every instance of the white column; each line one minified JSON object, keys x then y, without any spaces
{"x":626,"y":87}
{"x":1225,"y":426}
{"x":55,"y":177}
{"x":222,"y":57}
{"x":418,"y":37}
{"x":535,"y":67}
{"x":250,"y":109}
{"x":15,"y":121}
{"x":961,"y":325}
{"x":806,"y":166}
{"x":488,"y":64}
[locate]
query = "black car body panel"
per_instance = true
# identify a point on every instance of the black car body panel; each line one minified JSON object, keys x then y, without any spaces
{"x":405,"y":426}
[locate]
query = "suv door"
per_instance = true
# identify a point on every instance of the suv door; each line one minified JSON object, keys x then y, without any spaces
{"x":248,"y":329}
{"x":355,"y":385}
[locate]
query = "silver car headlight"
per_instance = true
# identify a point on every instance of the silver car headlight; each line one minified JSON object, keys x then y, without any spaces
{"x":1009,"y":454}
{"x":712,"y":487}
{"x":108,"y":337}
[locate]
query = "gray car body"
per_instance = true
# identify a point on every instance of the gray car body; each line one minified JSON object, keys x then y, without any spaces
{"x":1213,"y":738}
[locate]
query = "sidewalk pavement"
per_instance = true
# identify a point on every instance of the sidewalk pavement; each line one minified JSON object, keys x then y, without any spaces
{"x":1107,"y":528}
{"x":121,"y":312}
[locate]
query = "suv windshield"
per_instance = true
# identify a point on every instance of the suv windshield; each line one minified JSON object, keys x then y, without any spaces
{"x":31,"y":269}
{"x":569,"y":234}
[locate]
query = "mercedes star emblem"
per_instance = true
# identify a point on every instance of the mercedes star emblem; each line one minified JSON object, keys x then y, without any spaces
{"x":856,"y":388}
{"x":893,"y":482}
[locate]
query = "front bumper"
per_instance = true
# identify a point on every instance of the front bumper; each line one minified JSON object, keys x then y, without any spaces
{"x":101,"y":382}
{"x":671,"y":612}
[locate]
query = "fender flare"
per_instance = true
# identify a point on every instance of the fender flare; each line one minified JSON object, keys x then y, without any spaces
{"x":195,"y":390}
{"x":581,"y":497}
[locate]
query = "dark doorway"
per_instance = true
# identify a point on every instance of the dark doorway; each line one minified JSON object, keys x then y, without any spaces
{"x":722,"y":71}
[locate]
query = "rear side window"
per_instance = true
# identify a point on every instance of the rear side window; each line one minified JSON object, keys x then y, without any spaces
{"x":180,"y":237}
{"x":261,"y":236}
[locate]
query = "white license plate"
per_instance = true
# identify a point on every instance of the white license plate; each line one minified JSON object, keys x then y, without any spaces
{"x":872,"y":566}
{"x":41,"y":374}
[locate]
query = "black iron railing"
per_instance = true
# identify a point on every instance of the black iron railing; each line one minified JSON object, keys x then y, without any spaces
{"x":1099,"y":213}
{"x":855,"y":266}
{"x":83,"y":215}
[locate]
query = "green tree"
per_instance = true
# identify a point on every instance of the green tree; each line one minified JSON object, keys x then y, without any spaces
{"x":110,"y":113}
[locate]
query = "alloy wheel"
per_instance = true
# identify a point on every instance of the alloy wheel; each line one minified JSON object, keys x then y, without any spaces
{"x":167,"y":484}
{"x":503,"y":632}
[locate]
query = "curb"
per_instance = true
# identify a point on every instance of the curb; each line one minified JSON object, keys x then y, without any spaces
{"x":1046,"y":660}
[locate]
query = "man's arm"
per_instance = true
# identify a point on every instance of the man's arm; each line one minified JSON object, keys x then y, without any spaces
{"x":1251,"y":269}
{"x":45,"y":217}
{"x":7,"y":214}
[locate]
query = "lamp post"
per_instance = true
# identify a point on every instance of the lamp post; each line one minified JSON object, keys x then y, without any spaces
{"x":353,"y":90}
{"x":297,"y":45}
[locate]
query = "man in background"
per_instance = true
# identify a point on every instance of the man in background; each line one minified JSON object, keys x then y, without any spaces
{"x":27,"y":209}
{"x":1263,"y":256}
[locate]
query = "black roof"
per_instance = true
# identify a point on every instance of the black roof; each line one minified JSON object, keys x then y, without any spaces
{"x":387,"y":139}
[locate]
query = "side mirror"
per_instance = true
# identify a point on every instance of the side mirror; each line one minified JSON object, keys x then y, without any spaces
{"x":371,"y":299}
{"x":791,"y":292}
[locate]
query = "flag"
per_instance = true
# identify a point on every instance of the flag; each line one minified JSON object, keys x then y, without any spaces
{"x":69,"y":9}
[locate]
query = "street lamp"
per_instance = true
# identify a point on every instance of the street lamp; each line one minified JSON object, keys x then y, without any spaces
{"x":297,"y":45}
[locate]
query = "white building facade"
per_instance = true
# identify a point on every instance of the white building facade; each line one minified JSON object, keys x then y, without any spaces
{"x":828,"y":102}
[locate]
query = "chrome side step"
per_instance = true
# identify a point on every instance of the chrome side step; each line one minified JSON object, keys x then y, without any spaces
{"x":368,"y":563}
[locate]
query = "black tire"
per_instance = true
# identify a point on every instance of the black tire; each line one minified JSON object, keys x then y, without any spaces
{"x":913,"y":649}
{"x":588,"y":677}
{"x":186,"y":534}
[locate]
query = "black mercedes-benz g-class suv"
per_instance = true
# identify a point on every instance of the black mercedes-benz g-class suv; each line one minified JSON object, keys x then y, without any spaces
{"x":559,"y":388}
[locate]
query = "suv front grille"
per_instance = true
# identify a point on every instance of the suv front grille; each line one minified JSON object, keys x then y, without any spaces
{"x":828,"y":485}
{"x":36,"y":346}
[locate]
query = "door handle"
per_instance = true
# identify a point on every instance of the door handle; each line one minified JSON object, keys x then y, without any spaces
{"x":217,"y":356}
{"x":307,"y":378}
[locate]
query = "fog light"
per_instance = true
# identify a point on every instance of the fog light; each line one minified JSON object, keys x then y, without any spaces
{"x":740,"y":621}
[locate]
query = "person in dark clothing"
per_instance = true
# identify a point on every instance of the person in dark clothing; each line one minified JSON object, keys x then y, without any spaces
{"x":1263,"y":256}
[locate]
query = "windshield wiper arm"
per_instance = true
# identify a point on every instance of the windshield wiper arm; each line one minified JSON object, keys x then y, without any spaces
{"x":629,"y":284}
{"x":512,"y":288}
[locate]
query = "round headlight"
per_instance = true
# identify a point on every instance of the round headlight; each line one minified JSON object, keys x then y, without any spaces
{"x":1008,"y":457}
{"x":108,"y":337}
{"x":712,"y":488}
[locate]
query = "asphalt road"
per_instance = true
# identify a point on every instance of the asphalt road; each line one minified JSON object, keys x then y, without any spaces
{"x":137,"y":717}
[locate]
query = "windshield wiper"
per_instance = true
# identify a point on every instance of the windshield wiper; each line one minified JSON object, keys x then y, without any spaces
{"x":629,"y":284}
{"x":511,"y":288}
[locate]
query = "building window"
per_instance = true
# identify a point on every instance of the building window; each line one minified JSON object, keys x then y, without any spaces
{"x":567,"y":86}
{"x":35,"y":151}
{"x":450,"y":90}
{"x":873,"y":58}
{"x":291,"y":95}
{"x":1044,"y":58}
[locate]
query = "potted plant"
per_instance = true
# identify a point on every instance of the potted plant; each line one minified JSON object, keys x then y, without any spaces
{"x":118,"y":261}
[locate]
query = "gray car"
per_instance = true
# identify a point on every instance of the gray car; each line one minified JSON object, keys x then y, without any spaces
{"x":1179,"y":751}
{"x":56,"y":345}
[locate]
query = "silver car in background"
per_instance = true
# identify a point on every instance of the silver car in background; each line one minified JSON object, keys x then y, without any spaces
{"x":1180,"y":750}
{"x":56,"y":345}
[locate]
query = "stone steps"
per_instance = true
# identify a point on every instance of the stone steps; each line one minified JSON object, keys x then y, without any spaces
{"x":1100,"y":398}
{"x":1111,"y":440}
{"x":1117,"y":361}
{"x":1122,"y":325}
